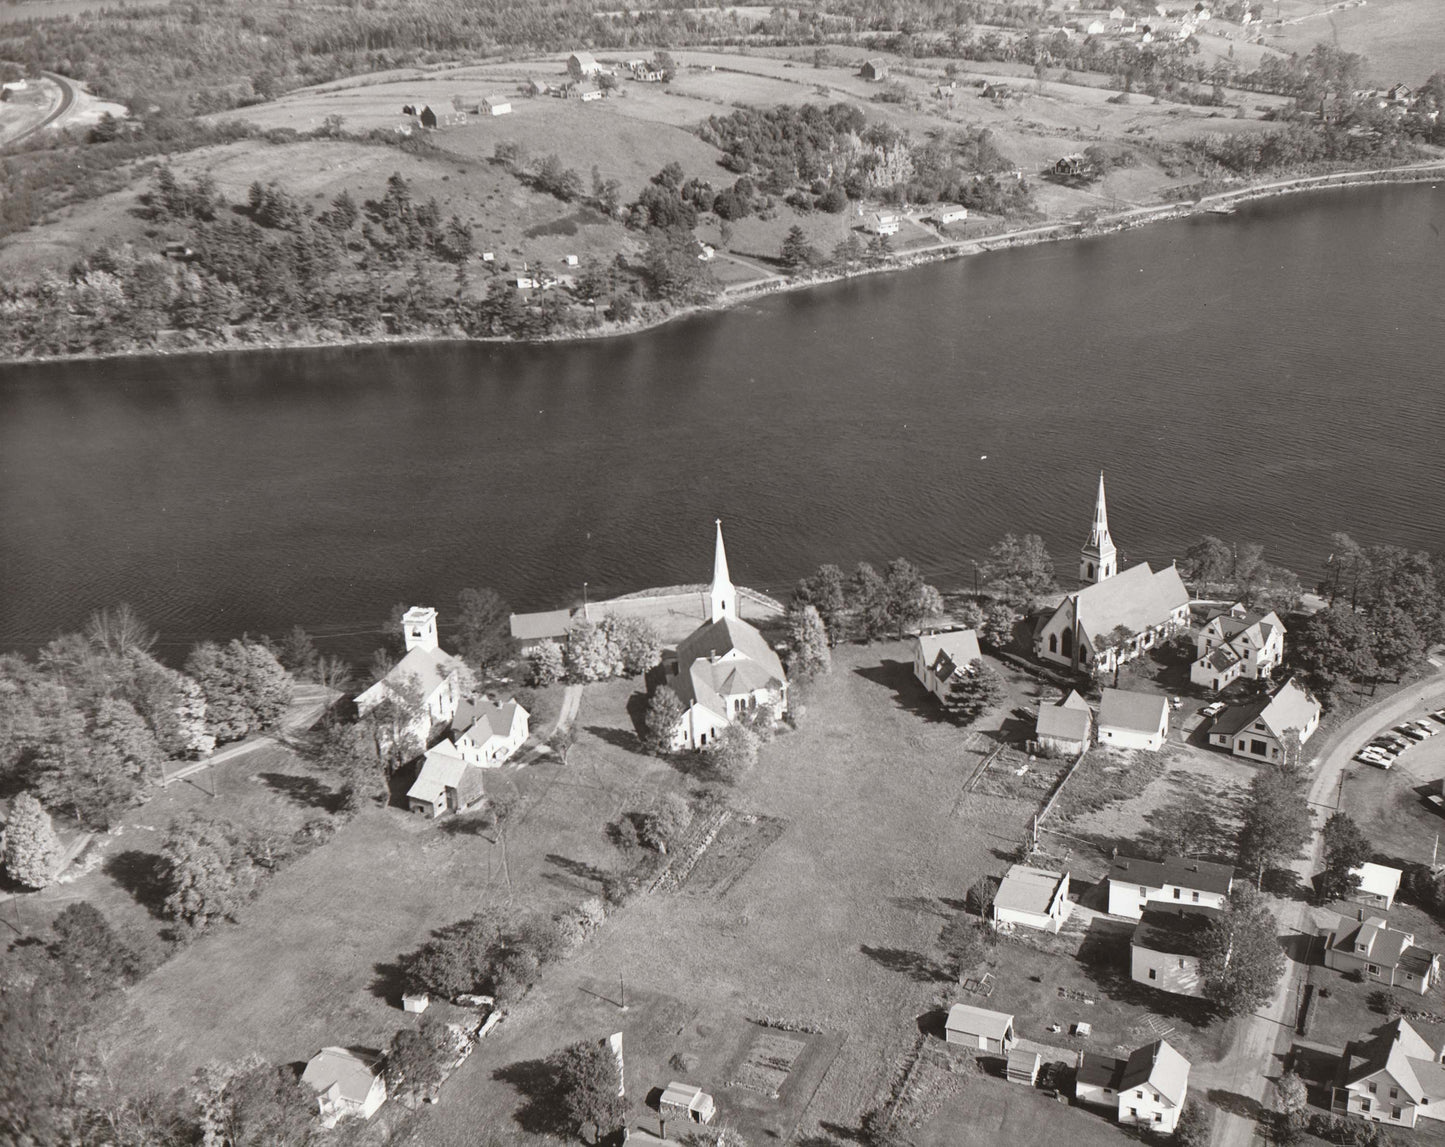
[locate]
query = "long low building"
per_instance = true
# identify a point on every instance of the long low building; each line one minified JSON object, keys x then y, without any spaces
{"x":1136,"y":884}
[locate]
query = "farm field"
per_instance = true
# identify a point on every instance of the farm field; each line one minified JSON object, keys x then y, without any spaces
{"x":1400,"y":39}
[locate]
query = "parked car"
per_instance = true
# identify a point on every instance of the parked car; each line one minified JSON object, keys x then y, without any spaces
{"x":1214,"y":708}
{"x":1381,"y":759}
{"x":1428,"y":729}
{"x":1437,"y":802}
{"x":1439,"y":715}
{"x":1392,"y":742}
{"x":1410,"y":731}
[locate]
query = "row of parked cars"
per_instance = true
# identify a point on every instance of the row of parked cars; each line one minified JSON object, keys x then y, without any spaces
{"x":1383,"y":750}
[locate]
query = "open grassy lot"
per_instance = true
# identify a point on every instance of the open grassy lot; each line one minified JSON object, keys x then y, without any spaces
{"x":992,"y":1111}
{"x":1400,"y":39}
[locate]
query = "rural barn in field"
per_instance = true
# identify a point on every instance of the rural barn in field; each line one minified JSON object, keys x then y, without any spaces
{"x":980,"y":1029}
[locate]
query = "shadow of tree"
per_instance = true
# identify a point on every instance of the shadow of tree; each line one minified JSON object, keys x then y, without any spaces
{"x":637,"y":711}
{"x":838,"y":1131}
{"x":933,"y":904}
{"x":1104,"y":959}
{"x":915,"y":965}
{"x":304,"y":791}
{"x":467,"y":824}
{"x":619,"y":738}
{"x":934,"y":1024}
{"x":908,"y":691}
{"x":1285,"y":883}
{"x":388,"y":982}
{"x":535,"y":1080}
{"x":578,"y":870}
{"x":142,"y":874}
{"x":1245,"y":1106}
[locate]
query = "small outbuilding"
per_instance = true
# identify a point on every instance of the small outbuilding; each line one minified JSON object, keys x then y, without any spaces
{"x":874,"y":69}
{"x":683,"y":1100}
{"x":427,"y":117}
{"x":1379,"y":884}
{"x":447,"y":782}
{"x":1066,"y":726}
{"x":495,"y":105}
{"x":415,"y":1002}
{"x":980,"y":1029}
{"x":1032,"y":898}
{"x":1023,"y":1067}
{"x":1129,"y":720}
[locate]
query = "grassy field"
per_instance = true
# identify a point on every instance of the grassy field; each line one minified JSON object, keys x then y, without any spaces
{"x":1401,"y":40}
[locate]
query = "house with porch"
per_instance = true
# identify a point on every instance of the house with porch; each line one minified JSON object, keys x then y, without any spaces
{"x":1165,"y":950}
{"x":1148,"y":1089}
{"x":1135,"y":884}
{"x":1395,"y":1076}
{"x":940,"y":659}
{"x":724,"y":669}
{"x":1384,"y":955}
{"x":427,"y":678}
{"x":1118,"y":615}
{"x":1256,"y":731}
{"x":1129,"y":720}
{"x":1236,"y":643}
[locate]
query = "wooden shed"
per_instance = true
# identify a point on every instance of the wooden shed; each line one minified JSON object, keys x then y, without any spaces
{"x":1023,"y":1066}
{"x":980,"y":1029}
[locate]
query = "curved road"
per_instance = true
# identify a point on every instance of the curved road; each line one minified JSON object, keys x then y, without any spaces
{"x":67,"y":101}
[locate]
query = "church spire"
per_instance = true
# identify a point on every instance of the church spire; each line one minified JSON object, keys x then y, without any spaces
{"x":1099,"y":559}
{"x":724,"y":596}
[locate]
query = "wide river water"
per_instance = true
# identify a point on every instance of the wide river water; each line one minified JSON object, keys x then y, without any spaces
{"x":1272,"y":376}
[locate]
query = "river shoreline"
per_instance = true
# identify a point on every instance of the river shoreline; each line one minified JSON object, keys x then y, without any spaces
{"x":1049,"y":232}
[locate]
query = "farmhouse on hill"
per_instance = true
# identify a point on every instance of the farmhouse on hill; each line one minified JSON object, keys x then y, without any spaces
{"x":1393,"y":1077}
{"x":1256,"y":731}
{"x":724,"y":669}
{"x":347,"y":1082}
{"x":1064,"y":726}
{"x":1032,"y":898}
{"x":1236,"y":643}
{"x":1118,"y":615}
{"x":581,"y":65}
{"x":1148,"y":1089}
{"x":1136,"y":884}
{"x":495,"y":105}
{"x":427,"y":677}
{"x":874,"y":69}
{"x":1130,"y":720}
{"x":940,"y":659}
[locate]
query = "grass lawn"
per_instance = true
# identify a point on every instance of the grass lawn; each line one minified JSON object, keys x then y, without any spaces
{"x":991,"y":1111}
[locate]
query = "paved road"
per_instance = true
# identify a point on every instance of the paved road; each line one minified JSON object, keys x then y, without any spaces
{"x":1245,"y":1070}
{"x":67,"y":101}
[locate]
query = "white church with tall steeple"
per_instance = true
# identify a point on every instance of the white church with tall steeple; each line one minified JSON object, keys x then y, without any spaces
{"x":724,"y":669}
{"x":1117,"y":615}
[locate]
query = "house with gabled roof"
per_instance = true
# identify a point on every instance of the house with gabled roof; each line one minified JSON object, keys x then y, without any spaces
{"x":874,"y":69}
{"x":1378,"y":886}
{"x":348,"y":1082}
{"x":1374,"y":950}
{"x":1135,"y":884}
{"x":1148,"y":1089}
{"x":446,"y":782}
{"x":1118,"y":615}
{"x":1167,"y":946}
{"x":1256,"y":731}
{"x":580,"y":65}
{"x":940,"y":659}
{"x":486,"y":734}
{"x":427,"y":677}
{"x":531,"y":629}
{"x":980,"y":1029}
{"x":1129,"y":720}
{"x":724,"y":669}
{"x":1234,"y":643}
{"x":1394,"y":1077}
{"x":1065,"y":726}
{"x":1032,"y":898}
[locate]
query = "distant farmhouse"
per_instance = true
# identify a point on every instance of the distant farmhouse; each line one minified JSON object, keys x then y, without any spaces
{"x":1236,"y":643}
{"x":582,"y":66}
{"x":1135,"y":885}
{"x":874,"y":70}
{"x":941,"y":659}
{"x":1257,"y":731}
{"x":884,"y":223}
{"x":495,"y":105}
{"x":1117,"y":616}
{"x":724,"y":669}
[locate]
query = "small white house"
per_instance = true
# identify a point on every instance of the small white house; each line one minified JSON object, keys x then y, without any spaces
{"x":940,"y":659}
{"x":347,"y":1083}
{"x":489,"y":734}
{"x":952,"y":213}
{"x":1066,"y":726}
{"x":1032,"y":898}
{"x":495,"y":105}
{"x":1135,"y":884}
{"x":1147,"y":1090}
{"x":884,"y":223}
{"x":980,"y":1029}
{"x":1257,"y":731}
{"x":1129,"y":720}
{"x":1379,"y":884}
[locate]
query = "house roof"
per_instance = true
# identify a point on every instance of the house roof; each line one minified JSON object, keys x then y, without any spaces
{"x":1291,"y":707}
{"x":351,"y":1072}
{"x":1380,"y":943}
{"x":430,"y":669}
{"x":979,"y":1021}
{"x":686,"y":1095}
{"x":441,"y":769}
{"x":1137,"y":712}
{"x":1401,"y":1051}
{"x":1021,"y":1060}
{"x":1159,"y":1065}
{"x":1136,"y":598}
{"x":585,"y":60}
{"x":1175,"y":931}
{"x":551,"y":623}
{"x":1378,"y":879}
{"x":480,"y":720}
{"x":1100,"y":1070}
{"x":1417,"y":960}
{"x":1176,"y":870}
{"x":703,"y":679}
{"x":1027,"y":889}
{"x":960,"y":646}
{"x":1068,"y":720}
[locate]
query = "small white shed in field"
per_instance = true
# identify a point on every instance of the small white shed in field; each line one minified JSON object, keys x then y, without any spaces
{"x":980,"y":1028}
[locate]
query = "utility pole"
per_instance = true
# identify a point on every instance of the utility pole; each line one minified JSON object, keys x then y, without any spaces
{"x":622,"y":989}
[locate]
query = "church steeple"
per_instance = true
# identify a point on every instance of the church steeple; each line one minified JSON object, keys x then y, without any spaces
{"x":724,"y":596}
{"x":1098,"y":559}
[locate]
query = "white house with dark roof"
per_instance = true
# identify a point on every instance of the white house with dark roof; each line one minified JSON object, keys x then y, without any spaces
{"x":1130,"y":720}
{"x":1256,"y":731}
{"x":1148,"y":1089}
{"x":940,"y":659}
{"x":486,"y":734}
{"x":1394,"y":1077}
{"x":1066,"y":726}
{"x":428,"y":677}
{"x":1032,"y":898}
{"x":1236,"y":643}
{"x":347,"y":1083}
{"x":1118,"y":615}
{"x":1383,"y":954}
{"x":724,"y":669}
{"x":1167,"y":945}
{"x":1135,"y":884}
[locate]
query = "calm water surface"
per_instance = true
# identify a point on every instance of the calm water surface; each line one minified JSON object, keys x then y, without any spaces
{"x":1272,"y":376}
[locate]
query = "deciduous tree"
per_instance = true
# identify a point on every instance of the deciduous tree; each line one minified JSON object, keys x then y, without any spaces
{"x":733,"y":753}
{"x":665,"y":711}
{"x":1276,"y":822}
{"x":808,"y":653}
{"x":209,"y":873}
{"x":1240,"y":957}
{"x":665,"y":822}
{"x":826,"y":591}
{"x":416,"y":1056}
{"x":974,"y":693}
{"x":484,"y":634}
{"x":86,"y":944}
{"x":246,"y":689}
{"x":548,"y":665}
{"x":868,"y":602}
{"x":588,"y":1085}
{"x":1346,"y":848}
{"x":1019,"y":569}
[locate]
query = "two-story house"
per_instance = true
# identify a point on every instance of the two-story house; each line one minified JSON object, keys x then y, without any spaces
{"x":1147,"y":1090}
{"x":486,"y":734}
{"x":940,"y":659}
{"x":1394,"y":1077}
{"x":1257,"y":731}
{"x":1380,"y":953}
{"x":1165,"y":950}
{"x":1136,"y":884}
{"x":1236,"y":643}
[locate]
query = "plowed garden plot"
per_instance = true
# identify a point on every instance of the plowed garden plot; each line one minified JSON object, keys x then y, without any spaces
{"x":727,"y":860}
